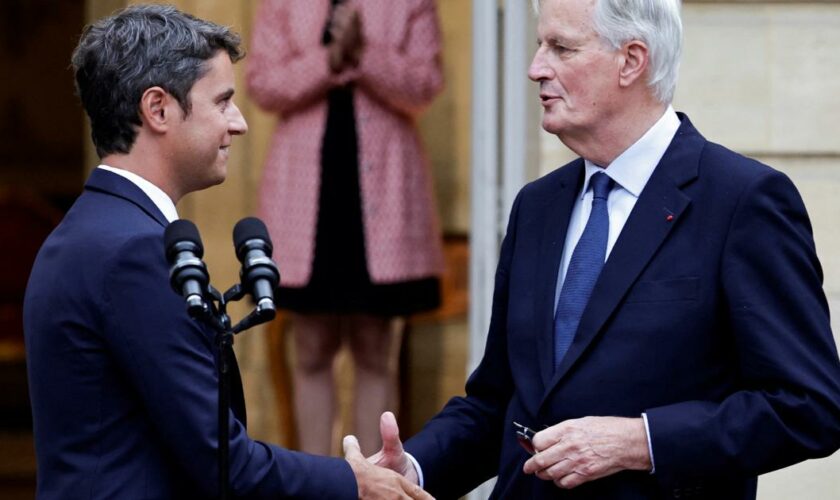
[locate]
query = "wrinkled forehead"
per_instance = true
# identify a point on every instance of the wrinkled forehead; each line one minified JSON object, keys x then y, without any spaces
{"x":566,"y":19}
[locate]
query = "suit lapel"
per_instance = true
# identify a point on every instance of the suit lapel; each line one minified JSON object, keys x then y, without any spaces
{"x":117,"y":185}
{"x":558,"y":211}
{"x":654,"y":216}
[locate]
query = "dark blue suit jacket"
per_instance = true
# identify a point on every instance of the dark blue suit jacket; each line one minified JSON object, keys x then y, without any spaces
{"x":123,"y":383}
{"x":709,"y":316}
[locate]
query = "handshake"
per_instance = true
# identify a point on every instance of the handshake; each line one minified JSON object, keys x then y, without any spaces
{"x":388,"y":473}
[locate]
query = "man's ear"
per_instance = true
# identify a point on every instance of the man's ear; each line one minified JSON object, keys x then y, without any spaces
{"x":156,"y":110}
{"x":633,"y":63}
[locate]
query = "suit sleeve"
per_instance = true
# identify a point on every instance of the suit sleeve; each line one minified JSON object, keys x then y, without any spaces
{"x":169,"y":359}
{"x":408,"y":75}
{"x":459,"y":448}
{"x":787,"y":406}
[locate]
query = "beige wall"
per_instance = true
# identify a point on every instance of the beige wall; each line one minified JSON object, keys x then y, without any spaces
{"x":761,"y":78}
{"x":446,"y":124}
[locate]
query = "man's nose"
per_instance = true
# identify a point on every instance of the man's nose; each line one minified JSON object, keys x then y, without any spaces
{"x":538,"y":71}
{"x":237,"y":124}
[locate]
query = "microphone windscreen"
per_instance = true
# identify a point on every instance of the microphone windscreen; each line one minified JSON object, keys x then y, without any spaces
{"x":182,"y":230}
{"x":250,"y":228}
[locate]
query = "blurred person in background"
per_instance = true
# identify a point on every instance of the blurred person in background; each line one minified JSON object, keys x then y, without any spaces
{"x":346,"y":191}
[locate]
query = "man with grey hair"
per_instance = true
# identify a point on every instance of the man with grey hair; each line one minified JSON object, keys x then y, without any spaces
{"x":123,"y":383}
{"x":659,"y":328}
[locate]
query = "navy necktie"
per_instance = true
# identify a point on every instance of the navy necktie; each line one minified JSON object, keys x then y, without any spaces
{"x":584,"y":267}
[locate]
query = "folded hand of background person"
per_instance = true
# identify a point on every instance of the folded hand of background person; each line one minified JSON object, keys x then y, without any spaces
{"x":376,"y":482}
{"x":577,"y":451}
{"x":347,"y":39}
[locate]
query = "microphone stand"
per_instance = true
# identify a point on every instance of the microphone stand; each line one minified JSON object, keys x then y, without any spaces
{"x":217,"y":318}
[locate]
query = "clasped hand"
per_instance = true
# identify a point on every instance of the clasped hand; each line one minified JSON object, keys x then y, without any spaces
{"x":388,"y":474}
{"x":576,"y":451}
{"x":347,"y":38}
{"x":569,"y":454}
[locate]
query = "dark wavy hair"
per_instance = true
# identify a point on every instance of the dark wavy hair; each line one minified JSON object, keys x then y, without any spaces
{"x":139,"y":47}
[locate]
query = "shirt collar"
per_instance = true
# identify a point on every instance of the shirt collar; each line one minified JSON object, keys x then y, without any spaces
{"x":632,"y":169}
{"x":156,"y":194}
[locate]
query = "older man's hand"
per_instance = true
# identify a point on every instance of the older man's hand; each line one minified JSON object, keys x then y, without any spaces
{"x":581,"y":450}
{"x":392,"y":456}
{"x":378,"y":483}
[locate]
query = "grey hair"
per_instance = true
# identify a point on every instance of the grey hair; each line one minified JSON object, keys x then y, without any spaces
{"x":657,"y":23}
{"x":121,"y":56}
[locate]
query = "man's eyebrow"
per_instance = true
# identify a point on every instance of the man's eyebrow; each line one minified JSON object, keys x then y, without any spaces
{"x":555,"y":39}
{"x":558,"y":39}
{"x":224,"y":96}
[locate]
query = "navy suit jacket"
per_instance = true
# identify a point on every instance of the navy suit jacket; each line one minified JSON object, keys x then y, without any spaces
{"x":123,"y":383}
{"x":708,"y":315}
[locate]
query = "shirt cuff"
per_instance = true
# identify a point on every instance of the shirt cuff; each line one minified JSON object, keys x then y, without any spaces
{"x":417,"y":469}
{"x":650,"y":444}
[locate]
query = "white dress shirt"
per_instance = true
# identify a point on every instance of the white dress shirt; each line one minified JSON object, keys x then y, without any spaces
{"x":630,"y":171}
{"x":161,"y":200}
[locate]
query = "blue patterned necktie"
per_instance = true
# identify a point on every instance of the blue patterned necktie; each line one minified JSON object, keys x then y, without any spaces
{"x":584,"y":267}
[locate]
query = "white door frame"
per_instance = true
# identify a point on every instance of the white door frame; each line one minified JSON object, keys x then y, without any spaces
{"x":511,"y":135}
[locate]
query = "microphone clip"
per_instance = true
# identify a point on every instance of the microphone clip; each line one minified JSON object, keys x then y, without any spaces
{"x":263,"y":312}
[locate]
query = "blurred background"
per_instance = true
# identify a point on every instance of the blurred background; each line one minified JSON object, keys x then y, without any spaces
{"x":758,"y":77}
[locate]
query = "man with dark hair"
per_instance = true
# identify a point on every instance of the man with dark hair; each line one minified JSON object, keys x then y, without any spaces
{"x":123,"y":383}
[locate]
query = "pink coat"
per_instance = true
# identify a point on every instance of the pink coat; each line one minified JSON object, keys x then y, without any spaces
{"x":399,"y":74}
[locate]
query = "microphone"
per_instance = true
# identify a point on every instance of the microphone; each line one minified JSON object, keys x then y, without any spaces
{"x":188,"y":274}
{"x":259,"y":274}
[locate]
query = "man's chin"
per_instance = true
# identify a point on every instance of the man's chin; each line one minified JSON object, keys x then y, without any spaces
{"x":219,"y":179}
{"x":210,"y":181}
{"x":552,"y":125}
{"x":220,"y":172}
